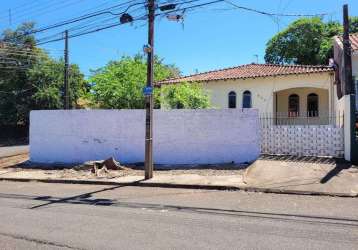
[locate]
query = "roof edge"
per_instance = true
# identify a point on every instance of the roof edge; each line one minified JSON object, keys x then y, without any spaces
{"x":338,"y":40}
{"x":179,"y":79}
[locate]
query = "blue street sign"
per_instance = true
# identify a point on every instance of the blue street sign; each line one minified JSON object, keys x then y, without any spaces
{"x":147,"y":91}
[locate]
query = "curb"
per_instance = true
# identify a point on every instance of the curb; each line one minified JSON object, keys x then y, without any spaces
{"x":187,"y":186}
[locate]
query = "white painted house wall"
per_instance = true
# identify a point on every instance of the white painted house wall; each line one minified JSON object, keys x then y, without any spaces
{"x":355,"y":64}
{"x":263,"y":90}
{"x":180,"y":136}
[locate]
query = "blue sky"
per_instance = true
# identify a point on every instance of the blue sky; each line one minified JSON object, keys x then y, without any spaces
{"x":211,"y":38}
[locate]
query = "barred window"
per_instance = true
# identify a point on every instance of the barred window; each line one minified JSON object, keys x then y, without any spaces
{"x":293,"y":105}
{"x":312,"y":105}
{"x":232,"y":100}
{"x":246,"y":99}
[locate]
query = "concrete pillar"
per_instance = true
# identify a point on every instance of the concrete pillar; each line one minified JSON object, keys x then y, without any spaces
{"x":347,"y":127}
{"x":331,"y":109}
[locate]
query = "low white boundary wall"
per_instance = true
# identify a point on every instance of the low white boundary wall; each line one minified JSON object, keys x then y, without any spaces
{"x":180,"y":136}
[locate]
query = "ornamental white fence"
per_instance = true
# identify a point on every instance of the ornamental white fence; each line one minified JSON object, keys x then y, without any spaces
{"x":302,"y":136}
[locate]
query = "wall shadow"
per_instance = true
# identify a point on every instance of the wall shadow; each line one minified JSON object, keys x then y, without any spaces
{"x":85,"y":199}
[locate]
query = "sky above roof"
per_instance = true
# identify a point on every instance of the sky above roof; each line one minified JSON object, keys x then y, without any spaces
{"x":209,"y":38}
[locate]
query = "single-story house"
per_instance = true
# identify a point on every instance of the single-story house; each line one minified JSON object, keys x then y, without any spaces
{"x":287,"y":93}
{"x":280,"y":90}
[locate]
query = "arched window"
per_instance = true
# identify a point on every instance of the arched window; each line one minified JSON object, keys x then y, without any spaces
{"x":232,"y":100}
{"x":293,"y":105}
{"x":312,"y":105}
{"x":246,"y":99}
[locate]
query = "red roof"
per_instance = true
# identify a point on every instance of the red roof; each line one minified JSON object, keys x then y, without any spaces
{"x":354,"y":41}
{"x":353,"y":38}
{"x":250,"y":71}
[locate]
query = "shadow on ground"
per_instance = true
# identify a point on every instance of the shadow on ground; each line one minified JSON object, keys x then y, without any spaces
{"x":26,"y":164}
{"x":337,"y":164}
{"x":88,"y":199}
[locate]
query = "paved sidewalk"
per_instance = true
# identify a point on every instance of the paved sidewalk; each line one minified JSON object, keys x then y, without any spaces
{"x":8,"y":151}
{"x":316,"y":176}
{"x":321,"y":175}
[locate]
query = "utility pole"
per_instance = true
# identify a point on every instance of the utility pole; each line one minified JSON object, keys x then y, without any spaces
{"x":148,"y":165}
{"x":349,"y":88}
{"x":66,"y":82}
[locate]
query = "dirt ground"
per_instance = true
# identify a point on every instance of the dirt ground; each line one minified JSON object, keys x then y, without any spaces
{"x":20,"y":163}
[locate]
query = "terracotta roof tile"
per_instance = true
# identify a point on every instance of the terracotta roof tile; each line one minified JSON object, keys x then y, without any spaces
{"x":354,"y":41}
{"x":250,"y":71}
{"x":352,"y":37}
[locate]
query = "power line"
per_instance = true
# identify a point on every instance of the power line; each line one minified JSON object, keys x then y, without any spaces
{"x":273,"y":14}
{"x":25,"y":50}
{"x":18,"y":91}
{"x":92,"y":31}
{"x":127,"y":5}
{"x":99,"y":21}
{"x":23,"y":55}
{"x":108,"y":10}
{"x":50,"y":7}
{"x":25,"y":5}
{"x":94,"y":23}
{"x":15,"y":47}
{"x":84,"y":17}
{"x":99,"y":25}
{"x":144,"y":17}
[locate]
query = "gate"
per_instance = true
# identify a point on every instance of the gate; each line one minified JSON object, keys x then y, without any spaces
{"x":298,"y":135}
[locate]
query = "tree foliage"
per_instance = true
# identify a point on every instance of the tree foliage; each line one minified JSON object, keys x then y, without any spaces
{"x":184,"y":96}
{"x":353,"y":24}
{"x":305,"y":41}
{"x":30,"y":79}
{"x":120,"y":83}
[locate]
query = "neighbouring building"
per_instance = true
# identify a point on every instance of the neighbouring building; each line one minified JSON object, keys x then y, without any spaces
{"x":297,"y":94}
{"x":338,"y":54}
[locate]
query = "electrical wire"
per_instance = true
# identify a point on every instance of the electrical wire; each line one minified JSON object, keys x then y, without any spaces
{"x":95,"y":14}
{"x":20,"y":7}
{"x":15,"y":55}
{"x":91,"y":31}
{"x":84,"y":17}
{"x":272,"y":14}
{"x":144,"y":17}
{"x":18,"y":92}
{"x":51,"y":7}
{"x":101,"y":24}
{"x":15,"y":47}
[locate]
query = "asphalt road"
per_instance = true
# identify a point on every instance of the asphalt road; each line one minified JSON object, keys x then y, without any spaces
{"x":63,"y":216}
{"x":13,"y":150}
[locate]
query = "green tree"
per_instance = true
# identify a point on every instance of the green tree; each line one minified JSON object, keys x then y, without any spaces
{"x":353,"y":24}
{"x":305,"y":41}
{"x":331,"y":29}
{"x":299,"y":43}
{"x":120,"y":83}
{"x":184,"y":95}
{"x":47,"y":77}
{"x":30,"y":79}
